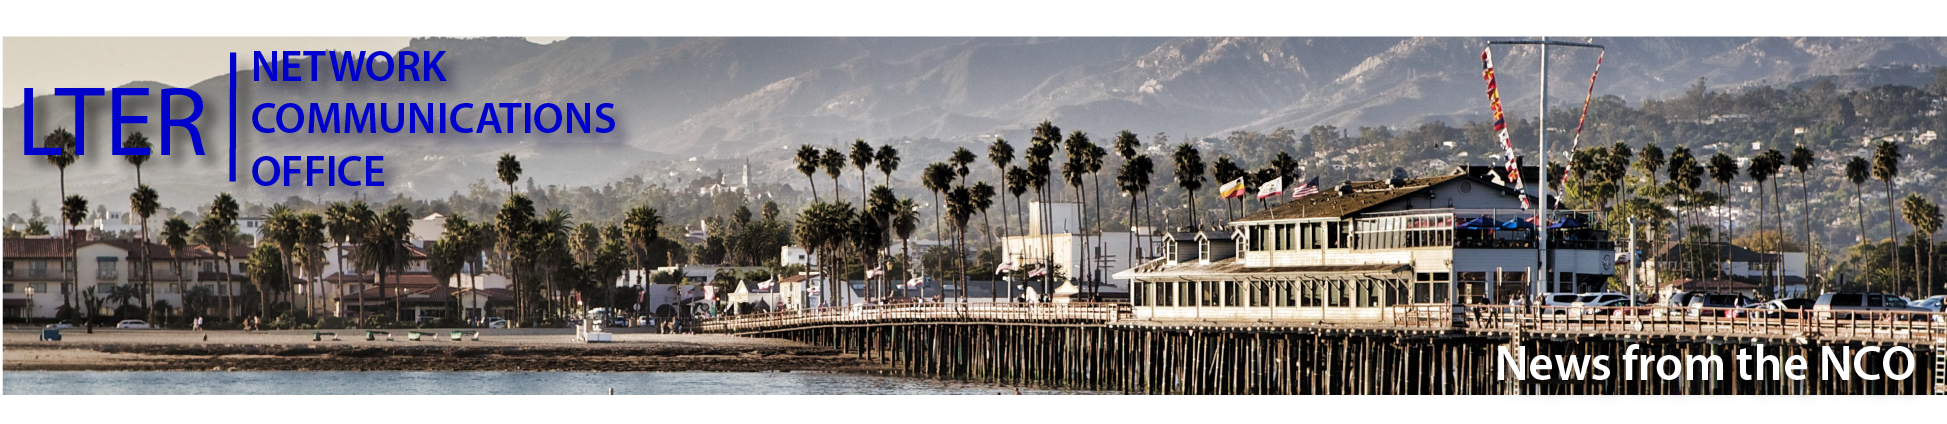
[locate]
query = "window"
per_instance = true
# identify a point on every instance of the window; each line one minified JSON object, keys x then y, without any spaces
{"x":10,"y":269}
{"x":38,"y":288}
{"x":1203,"y":249}
{"x":10,"y":288}
{"x":1256,"y":236}
{"x":106,"y":268}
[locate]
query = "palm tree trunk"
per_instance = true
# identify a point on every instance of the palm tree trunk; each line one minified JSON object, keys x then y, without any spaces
{"x":1859,"y":209}
{"x":1893,"y":236}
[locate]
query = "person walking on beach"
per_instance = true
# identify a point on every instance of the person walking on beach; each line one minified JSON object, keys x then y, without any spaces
{"x":197,"y":325}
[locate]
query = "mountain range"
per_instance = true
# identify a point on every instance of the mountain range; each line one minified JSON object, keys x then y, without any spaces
{"x":723,"y":99}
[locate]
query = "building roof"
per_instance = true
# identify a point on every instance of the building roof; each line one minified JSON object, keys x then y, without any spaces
{"x":24,"y":248}
{"x":1358,"y":197}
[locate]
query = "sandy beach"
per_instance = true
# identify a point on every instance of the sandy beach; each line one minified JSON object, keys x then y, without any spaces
{"x":496,"y":350}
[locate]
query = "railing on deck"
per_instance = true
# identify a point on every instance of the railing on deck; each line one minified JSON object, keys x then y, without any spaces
{"x":1728,"y":322}
{"x":1640,"y":320}
{"x":1077,"y":312}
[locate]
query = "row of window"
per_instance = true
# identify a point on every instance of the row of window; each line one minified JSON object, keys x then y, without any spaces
{"x":1369,"y":293}
{"x":104,"y":288}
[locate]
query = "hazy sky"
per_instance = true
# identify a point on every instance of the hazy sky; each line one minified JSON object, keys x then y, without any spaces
{"x":45,"y":63}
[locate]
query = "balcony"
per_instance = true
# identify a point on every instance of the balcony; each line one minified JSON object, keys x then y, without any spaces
{"x":38,"y":274}
{"x":107,"y":274}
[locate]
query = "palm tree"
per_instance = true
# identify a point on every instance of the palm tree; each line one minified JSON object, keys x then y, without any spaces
{"x":1223,"y":170}
{"x":1072,"y":171}
{"x":508,"y":170}
{"x":144,"y":202}
{"x":1649,"y":161}
{"x":217,"y":230}
{"x":1857,"y":172}
{"x":834,"y":164}
{"x":887,"y":160}
{"x":136,"y":140}
{"x":862,"y":155}
{"x":1802,"y":160}
{"x":808,"y":161}
{"x":515,"y":219}
{"x":176,"y":234}
{"x":61,"y":139}
{"x":74,"y":210}
{"x":642,"y":227}
{"x":937,"y":178}
{"x":905,"y":220}
{"x":1189,"y":176}
{"x":391,"y":230}
{"x":959,"y":204}
{"x":1762,"y":168}
{"x":265,"y":265}
{"x":1133,"y":177}
{"x":282,"y":228}
{"x":462,"y":236}
{"x":1018,"y":182}
{"x":982,"y":197}
{"x":1886,"y":167}
{"x":1723,"y":170}
{"x":1930,"y":225}
{"x":1924,"y":216}
{"x":1040,"y":158}
{"x":1000,"y":153}
{"x":345,"y":226}
{"x":878,"y":207}
{"x":311,"y":242}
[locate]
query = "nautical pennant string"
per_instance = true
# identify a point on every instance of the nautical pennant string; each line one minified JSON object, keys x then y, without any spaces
{"x":1575,"y":143}
{"x":1501,"y":125}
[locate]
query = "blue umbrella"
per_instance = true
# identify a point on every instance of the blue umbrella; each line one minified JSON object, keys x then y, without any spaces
{"x":1568,"y":222}
{"x":1480,"y":223}
{"x":1517,"y":224}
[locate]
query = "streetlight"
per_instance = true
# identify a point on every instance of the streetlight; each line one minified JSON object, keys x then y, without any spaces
{"x":29,"y":315}
{"x":1545,"y":276}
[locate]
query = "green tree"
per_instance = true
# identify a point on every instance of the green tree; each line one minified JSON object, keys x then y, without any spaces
{"x":1001,"y":154}
{"x":144,"y":202}
{"x":1189,"y":176}
{"x":834,"y":164}
{"x":176,"y":234}
{"x":266,"y":267}
{"x":61,"y":139}
{"x":1802,"y":160}
{"x":862,"y":156}
{"x":937,"y":178}
{"x":808,"y":161}
{"x":508,"y":170}
{"x":1886,"y":167}
{"x":74,"y":210}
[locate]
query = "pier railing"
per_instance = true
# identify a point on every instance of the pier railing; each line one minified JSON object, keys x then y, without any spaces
{"x":1075,"y":313}
{"x":1646,"y":321}
{"x":1702,"y":322}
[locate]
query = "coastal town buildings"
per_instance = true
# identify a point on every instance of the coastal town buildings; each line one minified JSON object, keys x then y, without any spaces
{"x":1356,"y":250}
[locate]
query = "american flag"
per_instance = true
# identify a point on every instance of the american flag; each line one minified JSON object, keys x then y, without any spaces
{"x":1306,"y":189}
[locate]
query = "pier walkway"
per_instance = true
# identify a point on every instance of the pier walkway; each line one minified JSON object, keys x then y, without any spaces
{"x":1646,"y":321}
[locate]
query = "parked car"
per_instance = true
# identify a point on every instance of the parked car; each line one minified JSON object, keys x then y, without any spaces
{"x":1937,"y":303}
{"x":134,"y":324}
{"x":1698,"y":303}
{"x":1677,"y":303}
{"x":1837,"y":305}
{"x":1787,"y":308}
{"x":1557,"y":303}
{"x":1592,"y":303}
{"x":496,"y":322}
{"x":62,"y":324}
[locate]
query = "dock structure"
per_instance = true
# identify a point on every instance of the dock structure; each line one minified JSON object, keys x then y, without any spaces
{"x":1104,"y":347}
{"x":1399,"y":286}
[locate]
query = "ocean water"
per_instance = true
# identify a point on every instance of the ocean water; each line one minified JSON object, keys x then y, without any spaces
{"x":481,"y":383}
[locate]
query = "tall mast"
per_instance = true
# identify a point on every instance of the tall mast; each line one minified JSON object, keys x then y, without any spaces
{"x":1541,"y":133}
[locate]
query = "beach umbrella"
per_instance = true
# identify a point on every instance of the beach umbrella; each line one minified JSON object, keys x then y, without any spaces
{"x":1479,"y":223}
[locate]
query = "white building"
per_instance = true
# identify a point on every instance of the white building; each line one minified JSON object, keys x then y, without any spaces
{"x":1356,"y":251}
{"x":1081,"y":257}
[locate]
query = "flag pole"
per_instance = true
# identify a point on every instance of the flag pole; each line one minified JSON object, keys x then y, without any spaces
{"x":1543,"y":275}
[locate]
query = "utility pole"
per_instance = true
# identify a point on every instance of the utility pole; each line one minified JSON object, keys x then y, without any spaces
{"x":1631,"y":255}
{"x":1544,"y":275}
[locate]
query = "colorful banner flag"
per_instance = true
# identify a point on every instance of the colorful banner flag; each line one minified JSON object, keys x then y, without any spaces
{"x":1306,"y":189}
{"x":1576,"y":143}
{"x":1233,"y":189}
{"x":1270,"y":188}
{"x":1501,"y":125}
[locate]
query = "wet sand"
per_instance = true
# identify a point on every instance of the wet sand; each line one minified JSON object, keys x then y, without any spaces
{"x":497,"y":350}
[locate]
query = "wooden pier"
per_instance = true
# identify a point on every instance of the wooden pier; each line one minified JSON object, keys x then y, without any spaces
{"x":1422,"y":349}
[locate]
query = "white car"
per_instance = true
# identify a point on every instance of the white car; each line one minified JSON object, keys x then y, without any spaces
{"x":496,"y":323}
{"x":1592,"y":303}
{"x":134,"y":324}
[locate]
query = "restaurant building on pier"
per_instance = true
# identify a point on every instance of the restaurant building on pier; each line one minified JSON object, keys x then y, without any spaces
{"x":1354,"y":251}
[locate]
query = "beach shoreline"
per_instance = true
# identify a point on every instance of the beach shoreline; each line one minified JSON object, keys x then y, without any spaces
{"x":496,"y":350}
